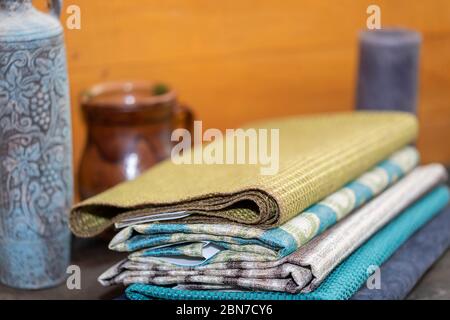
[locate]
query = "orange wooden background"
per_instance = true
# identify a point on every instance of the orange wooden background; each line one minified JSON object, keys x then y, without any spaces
{"x":239,"y":60}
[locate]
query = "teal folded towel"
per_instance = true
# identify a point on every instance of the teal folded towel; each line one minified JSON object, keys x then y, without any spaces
{"x":346,"y":279}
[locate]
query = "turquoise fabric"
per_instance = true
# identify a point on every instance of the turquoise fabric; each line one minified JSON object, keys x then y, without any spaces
{"x":346,"y":279}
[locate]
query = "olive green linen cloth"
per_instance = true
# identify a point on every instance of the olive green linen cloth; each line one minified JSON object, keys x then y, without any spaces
{"x":317,"y":155}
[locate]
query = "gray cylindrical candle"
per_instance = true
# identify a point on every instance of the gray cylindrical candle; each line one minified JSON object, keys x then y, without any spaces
{"x":388,"y":70}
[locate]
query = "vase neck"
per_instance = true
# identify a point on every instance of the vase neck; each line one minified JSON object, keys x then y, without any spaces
{"x":15,"y":5}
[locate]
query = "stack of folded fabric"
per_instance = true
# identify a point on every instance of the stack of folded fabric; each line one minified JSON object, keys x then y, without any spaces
{"x":348,"y":195}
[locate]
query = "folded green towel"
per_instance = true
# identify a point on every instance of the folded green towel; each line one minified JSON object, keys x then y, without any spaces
{"x":346,"y":279}
{"x":317,"y":156}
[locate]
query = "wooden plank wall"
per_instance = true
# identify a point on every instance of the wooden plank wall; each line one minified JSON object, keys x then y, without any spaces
{"x":239,"y":60}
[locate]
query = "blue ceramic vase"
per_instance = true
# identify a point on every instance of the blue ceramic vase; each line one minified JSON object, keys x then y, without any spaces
{"x":35,"y":147}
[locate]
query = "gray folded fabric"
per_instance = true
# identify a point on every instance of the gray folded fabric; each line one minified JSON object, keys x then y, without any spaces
{"x":404,"y":269}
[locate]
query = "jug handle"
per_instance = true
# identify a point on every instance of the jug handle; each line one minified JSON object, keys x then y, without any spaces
{"x":55,"y":7}
{"x":184,"y":117}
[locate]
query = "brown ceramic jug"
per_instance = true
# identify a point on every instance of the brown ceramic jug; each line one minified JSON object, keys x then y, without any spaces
{"x":129,"y":130}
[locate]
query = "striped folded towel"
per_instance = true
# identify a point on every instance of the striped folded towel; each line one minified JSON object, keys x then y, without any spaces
{"x":302,"y":271}
{"x":346,"y":278}
{"x":190,"y":245}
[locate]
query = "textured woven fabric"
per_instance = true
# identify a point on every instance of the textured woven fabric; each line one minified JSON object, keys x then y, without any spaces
{"x":307,"y":267}
{"x":346,"y":279}
{"x":247,"y":243}
{"x":318,"y":155}
{"x":403,"y":270}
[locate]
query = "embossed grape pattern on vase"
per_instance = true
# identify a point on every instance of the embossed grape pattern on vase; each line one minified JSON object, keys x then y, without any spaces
{"x":35,"y":150}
